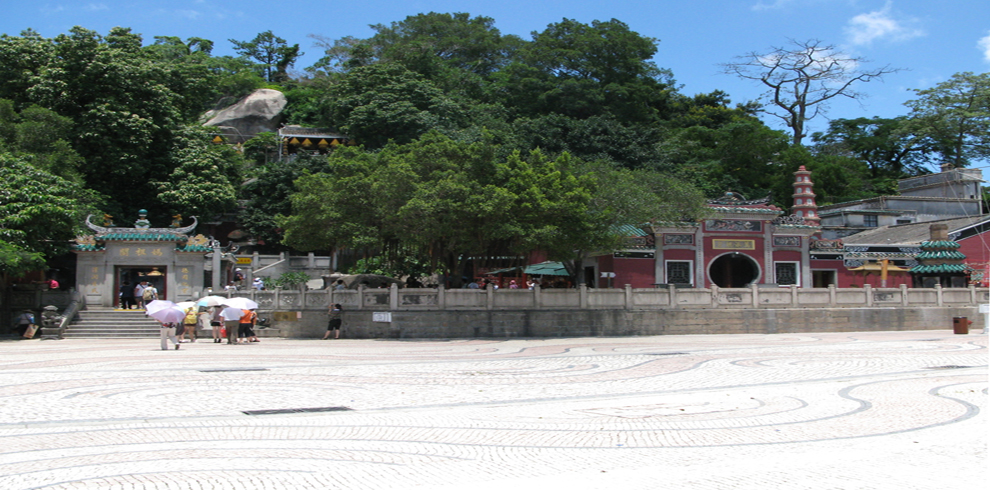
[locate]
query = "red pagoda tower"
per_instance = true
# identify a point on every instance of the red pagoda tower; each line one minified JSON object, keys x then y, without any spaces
{"x":804,"y":197}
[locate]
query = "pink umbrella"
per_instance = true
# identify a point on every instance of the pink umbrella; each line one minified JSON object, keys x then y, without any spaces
{"x":156,"y":305}
{"x":171,"y":314}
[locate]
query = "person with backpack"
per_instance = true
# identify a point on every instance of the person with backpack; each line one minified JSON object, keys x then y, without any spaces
{"x":189,"y":324}
{"x":149,"y":294}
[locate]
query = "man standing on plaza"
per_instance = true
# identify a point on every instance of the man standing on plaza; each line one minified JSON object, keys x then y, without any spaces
{"x":231,"y":320}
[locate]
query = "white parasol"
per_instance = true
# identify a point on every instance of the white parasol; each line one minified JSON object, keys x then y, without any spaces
{"x":231,"y":313}
{"x":240,"y":303}
{"x":210,"y":301}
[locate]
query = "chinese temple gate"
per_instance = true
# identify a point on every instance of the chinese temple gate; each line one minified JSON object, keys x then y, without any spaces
{"x":168,"y":258}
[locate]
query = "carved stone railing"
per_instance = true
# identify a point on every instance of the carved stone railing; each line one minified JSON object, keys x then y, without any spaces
{"x":756,"y":296}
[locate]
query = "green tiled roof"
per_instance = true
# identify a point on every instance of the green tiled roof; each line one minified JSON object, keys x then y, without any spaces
{"x":941,"y":255}
{"x":740,"y":209}
{"x":940,"y":244}
{"x":193,"y":248}
{"x":90,"y":248}
{"x":940,"y":269}
{"x":142,"y":237}
{"x":630,"y":230}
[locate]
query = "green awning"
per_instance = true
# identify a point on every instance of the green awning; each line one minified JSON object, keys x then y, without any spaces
{"x":504,"y":271}
{"x":546,"y":269}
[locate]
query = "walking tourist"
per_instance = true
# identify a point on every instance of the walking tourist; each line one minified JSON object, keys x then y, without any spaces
{"x":205,"y":322}
{"x":139,"y":293}
{"x":189,"y":324}
{"x":168,"y":333}
{"x":126,"y":296}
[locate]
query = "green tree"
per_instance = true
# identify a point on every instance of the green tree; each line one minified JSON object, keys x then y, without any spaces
{"x":205,"y":175}
{"x":39,"y":212}
{"x":457,"y":40}
{"x":125,"y":106}
{"x":15,"y":261}
{"x":881,"y":143}
{"x":582,"y":70}
{"x":21,"y":59}
{"x":267,"y":196}
{"x":262,"y":148}
{"x":443,"y":201}
{"x":953,"y":118}
{"x":743,"y":156}
{"x":383,"y":102}
{"x":40,"y":136}
{"x":272,"y":52}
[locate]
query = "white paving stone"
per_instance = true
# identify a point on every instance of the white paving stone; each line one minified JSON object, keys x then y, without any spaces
{"x":880,"y":410}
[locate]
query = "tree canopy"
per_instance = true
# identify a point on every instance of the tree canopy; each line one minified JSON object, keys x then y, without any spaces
{"x":443,"y":201}
{"x":472,"y":142}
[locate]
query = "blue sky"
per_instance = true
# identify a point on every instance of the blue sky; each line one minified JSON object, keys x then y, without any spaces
{"x":929,"y":40}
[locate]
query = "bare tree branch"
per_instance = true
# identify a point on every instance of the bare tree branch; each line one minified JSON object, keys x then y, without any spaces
{"x":802,"y":78}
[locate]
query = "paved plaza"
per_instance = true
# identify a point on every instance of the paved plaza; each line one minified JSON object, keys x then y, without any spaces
{"x":879,"y":410}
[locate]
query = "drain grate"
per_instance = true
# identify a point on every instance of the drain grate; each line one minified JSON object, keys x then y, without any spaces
{"x":231,"y":370}
{"x":949,"y":367}
{"x":295,"y":410}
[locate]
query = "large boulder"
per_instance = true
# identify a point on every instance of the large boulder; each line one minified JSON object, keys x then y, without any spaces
{"x":257,"y":113}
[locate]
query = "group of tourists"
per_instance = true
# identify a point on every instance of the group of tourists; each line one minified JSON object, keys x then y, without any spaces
{"x":236,"y":325}
{"x":137,"y":296}
{"x":493,"y":283}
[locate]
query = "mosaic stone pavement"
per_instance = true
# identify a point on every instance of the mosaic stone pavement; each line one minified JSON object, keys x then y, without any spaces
{"x":879,"y":410}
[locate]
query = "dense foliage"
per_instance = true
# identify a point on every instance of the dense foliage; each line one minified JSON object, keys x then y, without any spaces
{"x":472,"y":142}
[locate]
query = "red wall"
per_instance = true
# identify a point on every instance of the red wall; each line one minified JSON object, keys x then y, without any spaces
{"x":638,"y":273}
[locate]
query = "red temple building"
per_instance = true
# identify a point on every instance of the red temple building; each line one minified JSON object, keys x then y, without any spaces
{"x":746,"y":242}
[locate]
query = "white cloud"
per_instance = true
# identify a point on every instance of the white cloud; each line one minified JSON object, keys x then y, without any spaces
{"x":96,"y":6}
{"x":189,"y":14}
{"x":776,"y":4}
{"x":984,"y":45}
{"x":863,"y":29}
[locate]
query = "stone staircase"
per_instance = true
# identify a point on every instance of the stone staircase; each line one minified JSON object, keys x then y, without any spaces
{"x":110,"y":323}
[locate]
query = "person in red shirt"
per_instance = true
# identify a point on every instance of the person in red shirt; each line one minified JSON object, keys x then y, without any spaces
{"x":245,"y":329}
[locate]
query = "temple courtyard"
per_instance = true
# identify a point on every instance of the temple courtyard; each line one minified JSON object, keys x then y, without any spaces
{"x":879,"y":410}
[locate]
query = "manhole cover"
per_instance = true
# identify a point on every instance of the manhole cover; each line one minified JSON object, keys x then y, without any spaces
{"x":231,"y":370}
{"x":295,"y":410}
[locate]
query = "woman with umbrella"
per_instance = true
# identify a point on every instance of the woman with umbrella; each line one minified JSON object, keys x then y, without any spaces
{"x":169,"y":315}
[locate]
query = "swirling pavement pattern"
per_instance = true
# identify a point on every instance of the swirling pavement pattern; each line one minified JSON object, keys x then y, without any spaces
{"x":884,"y":410}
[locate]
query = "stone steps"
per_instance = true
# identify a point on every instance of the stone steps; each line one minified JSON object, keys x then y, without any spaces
{"x":117,"y":324}
{"x":109,"y":323}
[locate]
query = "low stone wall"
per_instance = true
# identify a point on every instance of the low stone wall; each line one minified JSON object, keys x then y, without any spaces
{"x":623,"y":322}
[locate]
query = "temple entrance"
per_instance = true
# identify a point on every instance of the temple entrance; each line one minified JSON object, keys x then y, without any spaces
{"x":155,"y":276}
{"x":734,"y":270}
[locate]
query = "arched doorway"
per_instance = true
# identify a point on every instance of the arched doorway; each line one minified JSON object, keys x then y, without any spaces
{"x":733,"y":270}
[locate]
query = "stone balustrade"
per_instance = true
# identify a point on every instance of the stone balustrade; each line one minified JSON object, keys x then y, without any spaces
{"x":583,"y":298}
